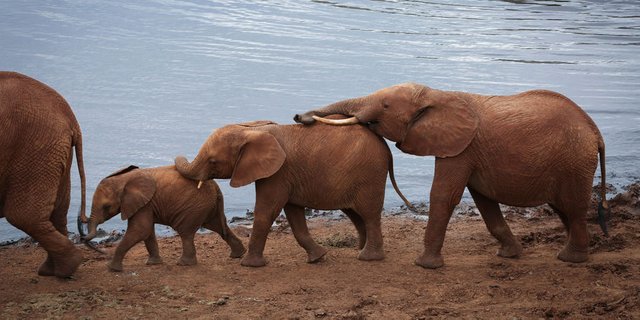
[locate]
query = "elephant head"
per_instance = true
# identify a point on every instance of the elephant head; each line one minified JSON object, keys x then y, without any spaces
{"x":238,"y":152}
{"x":422,"y":121}
{"x":125,"y":191}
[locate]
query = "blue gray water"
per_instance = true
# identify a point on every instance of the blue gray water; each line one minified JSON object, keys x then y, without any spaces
{"x":149,"y":80}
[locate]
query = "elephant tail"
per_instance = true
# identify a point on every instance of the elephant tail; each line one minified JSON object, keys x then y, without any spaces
{"x":393,"y":178}
{"x":603,"y":206}
{"x":220,"y":213}
{"x":77,"y":142}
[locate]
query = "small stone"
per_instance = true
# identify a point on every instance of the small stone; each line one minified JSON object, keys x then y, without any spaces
{"x":320,"y":313}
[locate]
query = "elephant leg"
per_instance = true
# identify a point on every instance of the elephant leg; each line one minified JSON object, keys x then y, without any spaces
{"x":269,"y":202}
{"x":188,"y":257}
{"x":298,"y":223}
{"x":577,"y":247}
{"x":237,"y":248}
{"x":152,"y":248}
{"x":493,"y":219}
{"x":563,"y":217}
{"x":359,"y":224}
{"x":446,"y":191}
{"x":217,"y":222}
{"x":139,"y":228}
{"x":373,"y":246}
{"x":31,"y":212}
{"x":59,"y":220}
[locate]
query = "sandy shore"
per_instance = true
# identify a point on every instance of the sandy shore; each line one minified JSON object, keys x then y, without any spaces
{"x":474,"y":283}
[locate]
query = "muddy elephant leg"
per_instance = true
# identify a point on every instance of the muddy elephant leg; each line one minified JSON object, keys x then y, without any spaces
{"x":269,"y":203}
{"x":139,"y":228}
{"x":188,"y":257}
{"x":493,"y":219}
{"x":577,"y":247}
{"x":152,"y":248}
{"x":446,"y":191}
{"x":217,"y":222}
{"x":359,"y":224}
{"x":298,"y":223}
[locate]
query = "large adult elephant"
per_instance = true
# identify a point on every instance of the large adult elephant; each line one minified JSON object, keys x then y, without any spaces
{"x":39,"y":131}
{"x":525,"y":150}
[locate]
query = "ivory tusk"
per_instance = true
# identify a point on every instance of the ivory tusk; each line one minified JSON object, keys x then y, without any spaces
{"x":337,"y":122}
{"x":200,"y":184}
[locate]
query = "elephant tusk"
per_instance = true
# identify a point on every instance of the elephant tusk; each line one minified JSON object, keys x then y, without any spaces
{"x":200,"y":184}
{"x":337,"y":122}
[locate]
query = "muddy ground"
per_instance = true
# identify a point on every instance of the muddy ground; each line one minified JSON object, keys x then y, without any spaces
{"x":474,"y":283}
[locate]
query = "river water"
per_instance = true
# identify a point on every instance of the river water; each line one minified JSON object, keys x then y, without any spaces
{"x":149,"y":80}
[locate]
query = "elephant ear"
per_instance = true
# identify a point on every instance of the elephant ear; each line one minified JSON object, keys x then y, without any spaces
{"x":123,"y":171}
{"x":136,"y":194}
{"x":261,"y":156}
{"x":443,"y":128}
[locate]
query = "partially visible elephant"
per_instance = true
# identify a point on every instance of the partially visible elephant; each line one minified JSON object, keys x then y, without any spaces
{"x":294,"y":167}
{"x":525,"y":150}
{"x":159,"y":195}
{"x":38,"y":133}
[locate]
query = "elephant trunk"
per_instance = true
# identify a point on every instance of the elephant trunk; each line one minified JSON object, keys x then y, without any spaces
{"x":93,"y":228}
{"x":93,"y":231}
{"x":346,"y":107}
{"x":192,"y":170}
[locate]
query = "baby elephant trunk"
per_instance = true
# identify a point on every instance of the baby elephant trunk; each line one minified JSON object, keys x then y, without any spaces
{"x":93,"y":231}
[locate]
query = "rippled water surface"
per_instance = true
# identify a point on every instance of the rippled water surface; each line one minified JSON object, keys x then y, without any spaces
{"x":149,"y":80}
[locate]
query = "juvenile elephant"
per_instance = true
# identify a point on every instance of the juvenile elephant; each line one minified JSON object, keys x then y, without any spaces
{"x":38,"y":133}
{"x":159,"y":195}
{"x":294,"y":167}
{"x":527,"y":149}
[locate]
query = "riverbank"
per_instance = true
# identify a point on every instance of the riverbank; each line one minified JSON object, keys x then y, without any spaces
{"x":474,"y":283}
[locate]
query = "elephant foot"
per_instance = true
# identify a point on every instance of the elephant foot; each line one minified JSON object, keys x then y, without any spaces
{"x":237,"y":252}
{"x":61,"y":267}
{"x":571,"y":254}
{"x":187,"y":261}
{"x":114,"y":266}
{"x":371,"y":255}
{"x":430,"y":261}
{"x":154,"y":260}
{"x":512,"y":251}
{"x":253,"y":261}
{"x":46,"y":268}
{"x":316,"y":254}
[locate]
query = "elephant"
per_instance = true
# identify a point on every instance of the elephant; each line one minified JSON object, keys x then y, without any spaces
{"x":159,"y":195}
{"x":528,"y":149}
{"x":39,"y":133}
{"x":294,"y":167}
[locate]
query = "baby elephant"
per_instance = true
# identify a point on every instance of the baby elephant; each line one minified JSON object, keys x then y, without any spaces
{"x":159,"y":195}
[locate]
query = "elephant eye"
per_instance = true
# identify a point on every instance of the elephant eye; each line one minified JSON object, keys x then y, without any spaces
{"x":385,"y":105}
